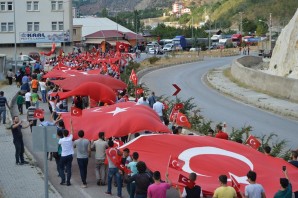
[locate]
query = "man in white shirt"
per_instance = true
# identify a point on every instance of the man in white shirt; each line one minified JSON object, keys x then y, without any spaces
{"x":158,"y":107}
{"x":43,"y":90}
{"x":28,"y":99}
{"x":66,"y":155}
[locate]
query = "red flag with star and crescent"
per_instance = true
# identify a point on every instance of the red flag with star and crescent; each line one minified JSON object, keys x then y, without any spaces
{"x":176,"y":163}
{"x":133,"y":77}
{"x":115,"y":120}
{"x":210,"y":157}
{"x":187,"y":182}
{"x":235,"y":183}
{"x":38,"y":113}
{"x":253,"y":142}
{"x":173,"y":114}
{"x":182,"y":120}
{"x":76,"y":111}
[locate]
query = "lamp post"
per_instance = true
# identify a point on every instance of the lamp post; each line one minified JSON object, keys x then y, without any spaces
{"x":270,"y":30}
{"x":15,"y":37}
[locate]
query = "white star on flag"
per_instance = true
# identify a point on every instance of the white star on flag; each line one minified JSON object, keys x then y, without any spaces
{"x":118,"y":110}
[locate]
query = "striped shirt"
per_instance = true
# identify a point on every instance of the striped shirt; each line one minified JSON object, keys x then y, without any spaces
{"x":30,"y":113}
{"x":3,"y":101}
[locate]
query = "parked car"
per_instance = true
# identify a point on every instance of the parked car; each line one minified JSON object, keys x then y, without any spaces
{"x":168,"y":47}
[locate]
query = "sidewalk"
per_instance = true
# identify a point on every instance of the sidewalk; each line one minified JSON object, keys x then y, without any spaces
{"x":221,"y":83}
{"x":18,"y":180}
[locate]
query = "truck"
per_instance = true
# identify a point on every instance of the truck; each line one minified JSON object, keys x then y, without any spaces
{"x":21,"y":59}
{"x":226,"y":42}
{"x":237,"y":39}
{"x":187,"y":43}
{"x":215,"y":39}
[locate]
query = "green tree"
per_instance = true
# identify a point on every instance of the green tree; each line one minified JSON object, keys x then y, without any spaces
{"x":104,"y":12}
{"x":262,"y":28}
{"x":248,"y":26}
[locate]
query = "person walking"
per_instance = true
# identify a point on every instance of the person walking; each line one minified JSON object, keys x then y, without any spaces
{"x":158,"y":189}
{"x":66,"y":154}
{"x":152,"y":99}
{"x":3,"y":102}
{"x":16,"y":129}
{"x":43,"y":90}
{"x":83,"y":153}
{"x":30,"y":116}
{"x":285,"y":187}
{"x":113,"y":169}
{"x":10,"y":76}
{"x":20,"y":102}
{"x":195,"y":192}
{"x":158,"y":107}
{"x":224,"y":190}
{"x":100,"y":147}
{"x":131,"y":187}
{"x":28,"y":99}
{"x":253,"y":190}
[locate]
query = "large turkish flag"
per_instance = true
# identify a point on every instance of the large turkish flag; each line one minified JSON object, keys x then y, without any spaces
{"x":115,"y":120}
{"x":210,"y":157}
{"x":72,"y":82}
{"x":96,"y":91}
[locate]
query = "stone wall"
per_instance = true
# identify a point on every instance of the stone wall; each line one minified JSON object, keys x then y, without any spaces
{"x":286,"y":88}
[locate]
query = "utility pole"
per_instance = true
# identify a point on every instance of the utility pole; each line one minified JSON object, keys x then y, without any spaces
{"x":241,"y":22}
{"x":192,"y":31}
{"x":270,"y":32}
{"x":15,"y":37}
{"x":209,"y":35}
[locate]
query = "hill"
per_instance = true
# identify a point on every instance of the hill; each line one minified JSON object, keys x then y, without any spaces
{"x":222,"y":13}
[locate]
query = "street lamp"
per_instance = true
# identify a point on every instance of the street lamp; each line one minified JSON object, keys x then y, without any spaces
{"x":270,"y":29}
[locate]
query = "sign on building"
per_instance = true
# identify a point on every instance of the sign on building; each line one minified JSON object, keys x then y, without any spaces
{"x":44,"y":37}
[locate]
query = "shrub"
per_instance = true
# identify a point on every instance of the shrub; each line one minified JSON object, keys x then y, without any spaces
{"x":153,"y":59}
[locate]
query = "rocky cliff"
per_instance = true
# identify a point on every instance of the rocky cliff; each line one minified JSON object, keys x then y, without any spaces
{"x":284,"y":61}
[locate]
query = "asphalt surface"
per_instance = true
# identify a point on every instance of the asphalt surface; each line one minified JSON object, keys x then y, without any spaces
{"x":215,"y":106}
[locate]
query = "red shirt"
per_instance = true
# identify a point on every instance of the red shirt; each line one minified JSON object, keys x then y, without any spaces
{"x":222,"y":135}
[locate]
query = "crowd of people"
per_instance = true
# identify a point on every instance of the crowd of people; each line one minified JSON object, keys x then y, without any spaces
{"x":140,"y":182}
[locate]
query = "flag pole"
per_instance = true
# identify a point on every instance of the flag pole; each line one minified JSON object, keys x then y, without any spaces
{"x":168,"y":163}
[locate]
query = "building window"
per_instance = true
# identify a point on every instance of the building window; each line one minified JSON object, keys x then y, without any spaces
{"x":3,"y":27}
{"x":74,"y":32}
{"x":61,"y":27}
{"x":60,"y":5}
{"x":29,"y":5}
{"x":9,"y":6}
{"x":29,"y":26}
{"x":10,"y":27}
{"x":53,"y":3}
{"x":54,"y":26}
{"x":35,"y":6}
{"x":2,"y":6}
{"x":36,"y":26}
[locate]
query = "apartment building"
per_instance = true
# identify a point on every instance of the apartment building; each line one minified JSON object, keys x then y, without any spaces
{"x":34,"y":25}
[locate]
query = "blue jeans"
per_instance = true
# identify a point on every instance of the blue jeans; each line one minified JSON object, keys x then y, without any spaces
{"x":3,"y":114}
{"x":83,"y":164}
{"x":111,"y":173}
{"x":131,"y":189}
{"x":66,"y":161}
{"x":44,"y":96}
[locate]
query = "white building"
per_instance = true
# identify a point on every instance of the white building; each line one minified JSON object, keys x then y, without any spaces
{"x":36,"y":23}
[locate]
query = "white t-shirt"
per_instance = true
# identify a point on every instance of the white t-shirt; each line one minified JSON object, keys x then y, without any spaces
{"x":42,"y":86}
{"x":67,"y":145}
{"x":28,"y":96}
{"x":158,"y":107}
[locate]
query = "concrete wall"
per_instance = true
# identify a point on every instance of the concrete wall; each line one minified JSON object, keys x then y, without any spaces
{"x":286,"y":88}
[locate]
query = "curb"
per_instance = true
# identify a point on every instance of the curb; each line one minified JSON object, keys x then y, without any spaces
{"x":258,"y":104}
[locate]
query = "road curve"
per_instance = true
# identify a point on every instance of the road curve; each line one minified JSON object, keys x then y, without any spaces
{"x":215,"y":106}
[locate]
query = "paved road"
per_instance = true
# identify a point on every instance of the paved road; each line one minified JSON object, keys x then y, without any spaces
{"x":215,"y":106}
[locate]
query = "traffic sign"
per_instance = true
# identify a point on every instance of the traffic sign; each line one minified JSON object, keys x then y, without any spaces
{"x":178,"y":89}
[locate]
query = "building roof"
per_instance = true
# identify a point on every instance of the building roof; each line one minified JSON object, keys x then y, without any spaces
{"x":92,"y":25}
{"x":104,"y":34}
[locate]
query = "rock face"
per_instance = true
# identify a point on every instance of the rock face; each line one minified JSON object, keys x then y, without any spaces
{"x":284,"y":61}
